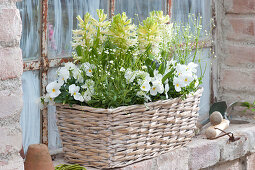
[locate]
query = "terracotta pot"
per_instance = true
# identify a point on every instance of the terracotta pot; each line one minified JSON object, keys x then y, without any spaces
{"x":38,"y":158}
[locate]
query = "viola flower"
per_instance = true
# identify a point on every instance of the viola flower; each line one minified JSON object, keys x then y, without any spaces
{"x":187,"y":78}
{"x":74,"y":91}
{"x":144,"y":95}
{"x":192,"y":67}
{"x":87,"y":96}
{"x":145,"y":86}
{"x":89,"y":85}
{"x":63,"y":75}
{"x":88,"y":68}
{"x":180,"y":69}
{"x":70,"y":66}
{"x":178,"y":84}
{"x":48,"y":99}
{"x":130,"y":75}
{"x":53,"y":89}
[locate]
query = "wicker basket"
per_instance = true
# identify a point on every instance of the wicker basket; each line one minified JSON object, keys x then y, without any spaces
{"x":108,"y":138}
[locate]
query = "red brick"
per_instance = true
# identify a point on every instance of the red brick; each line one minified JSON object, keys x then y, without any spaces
{"x":239,"y":6}
{"x":10,"y":29}
{"x":11,"y":63}
{"x":238,"y":80}
{"x":240,"y":56}
{"x":239,"y":28}
{"x":251,"y":162}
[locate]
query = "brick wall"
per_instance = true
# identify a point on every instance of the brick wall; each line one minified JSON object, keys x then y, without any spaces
{"x":235,"y":50}
{"x":10,"y":86}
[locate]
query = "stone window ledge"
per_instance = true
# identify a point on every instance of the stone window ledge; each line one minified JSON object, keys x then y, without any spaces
{"x":202,"y":153}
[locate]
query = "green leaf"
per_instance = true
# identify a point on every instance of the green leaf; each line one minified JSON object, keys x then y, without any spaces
{"x":162,"y":68}
{"x":79,"y":50}
{"x":220,"y":107}
{"x":168,"y":75}
{"x":246,"y":104}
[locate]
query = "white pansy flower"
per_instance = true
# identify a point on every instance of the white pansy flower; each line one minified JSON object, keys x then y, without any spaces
{"x":157,"y":87}
{"x":153,"y":91}
{"x":87,"y":96}
{"x":63,"y":75}
{"x":192,"y":67}
{"x":77,"y":75}
{"x":145,"y":86}
{"x":180,"y":69}
{"x":74,"y":91}
{"x":157,"y":76}
{"x":144,"y":95}
{"x":187,"y":78}
{"x":70,"y":66}
{"x":88,"y":68}
{"x":48,"y":99}
{"x":89,"y":85}
{"x":178,"y":84}
{"x":130,"y":75}
{"x":53,"y":89}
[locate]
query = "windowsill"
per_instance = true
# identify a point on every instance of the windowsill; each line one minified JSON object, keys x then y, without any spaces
{"x":200,"y":152}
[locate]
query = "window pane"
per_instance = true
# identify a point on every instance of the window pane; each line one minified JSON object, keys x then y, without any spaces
{"x":62,"y":20}
{"x":31,"y":21}
{"x":30,"y":116}
{"x":181,"y":10}
{"x":140,"y":7}
{"x":54,"y":141}
{"x":205,"y":99}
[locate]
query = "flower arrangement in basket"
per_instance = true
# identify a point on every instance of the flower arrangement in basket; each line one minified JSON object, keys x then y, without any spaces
{"x":133,"y":92}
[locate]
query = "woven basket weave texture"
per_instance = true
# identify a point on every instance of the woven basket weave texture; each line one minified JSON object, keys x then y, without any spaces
{"x":108,"y":138}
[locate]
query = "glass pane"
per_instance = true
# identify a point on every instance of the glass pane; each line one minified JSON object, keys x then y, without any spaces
{"x":53,"y":134}
{"x":140,"y":7}
{"x":30,"y":116}
{"x":205,"y":99}
{"x":62,"y":20}
{"x":31,"y":21}
{"x":181,"y":10}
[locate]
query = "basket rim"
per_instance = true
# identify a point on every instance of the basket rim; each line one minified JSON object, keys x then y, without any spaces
{"x":121,"y":108}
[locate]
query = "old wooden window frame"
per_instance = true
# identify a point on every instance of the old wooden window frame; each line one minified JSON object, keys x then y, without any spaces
{"x":44,"y":63}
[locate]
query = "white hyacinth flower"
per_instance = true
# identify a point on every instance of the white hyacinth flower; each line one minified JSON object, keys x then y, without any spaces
{"x":145,"y":86}
{"x":178,"y":84}
{"x":53,"y":89}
